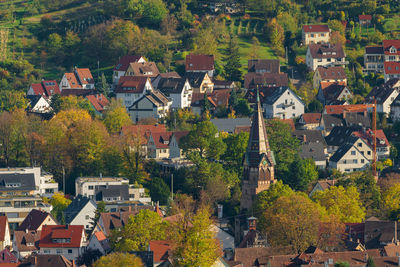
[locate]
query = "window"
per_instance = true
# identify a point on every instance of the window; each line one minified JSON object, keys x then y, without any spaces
{"x":69,"y":251}
{"x":369,"y":152}
{"x":362,"y":160}
{"x":312,"y":35}
{"x":293,"y":107}
{"x":328,"y":59}
{"x":59,"y":251}
{"x":293,"y":115}
{"x":46,"y":251}
{"x":353,"y":152}
{"x":355,"y":161}
{"x":87,"y":217}
{"x":90,"y":187}
{"x":322,"y":34}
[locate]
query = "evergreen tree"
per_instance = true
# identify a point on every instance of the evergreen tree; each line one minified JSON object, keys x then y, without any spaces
{"x":232,"y":66}
{"x":103,"y":85}
{"x":207,"y":105}
{"x":233,"y":99}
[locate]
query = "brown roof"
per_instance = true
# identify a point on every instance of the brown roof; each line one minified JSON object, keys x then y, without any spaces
{"x":147,"y":69}
{"x":221,"y":97}
{"x":47,"y":261}
{"x":124,"y":62}
{"x":76,"y":92}
{"x":179,"y":134}
{"x":199,"y":62}
{"x":263,"y":65}
{"x":325,"y":184}
{"x":392,"y":250}
{"x":98,"y":101}
{"x":3,"y":226}
{"x":323,"y":85}
{"x":374,"y":50}
{"x":172,"y":74}
{"x":248,"y":256}
{"x":143,"y":131}
{"x":326,"y":51}
{"x":23,"y":238}
{"x":161,"y":250}
{"x":391,"y":67}
{"x":161,"y":139}
{"x":311,"y":118}
{"x":364,"y":17}
{"x":131,"y":84}
{"x":34,"y":219}
{"x":333,"y":91}
{"x":289,"y":122}
{"x":339,"y":109}
{"x":252,"y":79}
{"x":315,"y":28}
{"x":332,"y":73}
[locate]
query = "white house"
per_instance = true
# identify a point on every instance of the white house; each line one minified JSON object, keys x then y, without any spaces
{"x":174,"y":150}
{"x":46,"y":89}
{"x":315,"y":34}
{"x":86,"y":186}
{"x":158,"y":145}
{"x":131,"y":88}
{"x":226,"y":240}
{"x":281,"y":102}
{"x":177,"y":89}
{"x":80,"y":78}
{"x":5,"y":237}
{"x":39,"y":104}
{"x":122,"y":66}
{"x":81,"y":211}
{"x":200,"y":63}
{"x":150,"y":105}
{"x":391,"y":70}
{"x":66,"y":240}
{"x":98,"y":241}
{"x":384,"y":95}
{"x":395,"y":109}
{"x":325,"y":55}
{"x":334,"y":93}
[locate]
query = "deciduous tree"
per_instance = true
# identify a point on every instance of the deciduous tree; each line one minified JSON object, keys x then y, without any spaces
{"x":116,"y":116}
{"x":119,"y":260}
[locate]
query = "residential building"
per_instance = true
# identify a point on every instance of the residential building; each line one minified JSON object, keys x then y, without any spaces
{"x":162,"y":252}
{"x":221,"y":84}
{"x":177,"y":89}
{"x":329,"y":75}
{"x":47,"y":261}
{"x":382,"y":143}
{"x":98,"y":241}
{"x":200,"y":63}
{"x":226,"y":240}
{"x":374,"y":58}
{"x":165,"y":75}
{"x":200,"y":82}
{"x":80,"y":78}
{"x":322,"y":185}
{"x":395,"y":109}
{"x":325,"y":55}
{"x":81,"y":211}
{"x":221,"y":97}
{"x":329,"y":121}
{"x":144,"y":69}
{"x":258,"y":163}
{"x":315,"y":34}
{"x":131,"y":88}
{"x":314,"y":151}
{"x":380,"y":233}
{"x":309,"y":121}
{"x":354,"y":155}
{"x":339,"y":109}
{"x":46,"y":88}
{"x":112,"y":193}
{"x":229,"y":125}
{"x":334,"y":94}
{"x":158,"y":145}
{"x":66,"y":240}
{"x":122,"y":66}
{"x":39,"y":105}
{"x":384,"y":95}
{"x":99,"y":102}
{"x":150,"y":105}
{"x":391,"y":50}
{"x":175,"y":152}
{"x":364,"y":20}
{"x":26,"y":243}
{"x":391,"y":70}
{"x":263,"y":65}
{"x":5,"y":236}
{"x":338,"y":136}
{"x":253,"y":80}
{"x":35,"y":221}
{"x":281,"y":102}
{"x":7,"y":258}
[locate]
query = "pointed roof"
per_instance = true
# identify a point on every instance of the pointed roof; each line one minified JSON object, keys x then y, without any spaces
{"x":258,"y":140}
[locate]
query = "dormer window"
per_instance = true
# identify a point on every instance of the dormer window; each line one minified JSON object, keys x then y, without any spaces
{"x":392,"y":50}
{"x":61,"y":240}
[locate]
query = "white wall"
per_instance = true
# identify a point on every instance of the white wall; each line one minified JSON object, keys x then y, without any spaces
{"x":85,"y":216}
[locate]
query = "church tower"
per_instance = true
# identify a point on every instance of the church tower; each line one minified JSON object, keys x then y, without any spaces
{"x":258,"y":164}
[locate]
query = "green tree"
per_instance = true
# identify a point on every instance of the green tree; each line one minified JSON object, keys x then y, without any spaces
{"x":195,"y":244}
{"x":116,"y":116}
{"x":135,"y":235}
{"x":207,"y":104}
{"x":103,"y":85}
{"x":370,"y":262}
{"x":59,"y":203}
{"x":119,"y":260}
{"x":233,"y":99}
{"x":342,"y":264}
{"x":243,"y":108}
{"x":236,"y":145}
{"x":11,"y":100}
{"x":54,"y":43}
{"x":159,"y":190}
{"x":255,"y":48}
{"x":303,"y":173}
{"x":344,"y":203}
{"x":205,"y":42}
{"x":101,"y":207}
{"x":232,"y":65}
{"x":202,"y":140}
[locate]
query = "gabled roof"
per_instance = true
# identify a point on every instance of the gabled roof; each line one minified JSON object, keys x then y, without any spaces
{"x":46,"y":88}
{"x":314,"y":151}
{"x":221,"y":97}
{"x":34,"y":219}
{"x":47,"y":261}
{"x":103,"y":241}
{"x":72,"y":232}
{"x":339,"y":109}
{"x":254,"y":79}
{"x":84,"y":75}
{"x":323,"y":84}
{"x":343,"y":149}
{"x":315,"y":28}
{"x":367,"y":136}
{"x":3,"y":227}
{"x":387,"y":44}
{"x":178,"y":135}
{"x":355,"y":118}
{"x":143,"y":131}
{"x":195,"y":78}
{"x":161,"y":139}
{"x":326,"y":51}
{"x":374,"y":50}
{"x":161,"y":249}
{"x":171,"y":85}
{"x":332,"y":73}
{"x":340,"y":134}
{"x":124,"y":62}
{"x":391,"y":67}
{"x":311,"y":118}
{"x":76,"y":92}
{"x":25,"y":181}
{"x":383,"y":92}
{"x":333,"y":91}
{"x":147,"y":69}
{"x":75,"y":207}
{"x":7,"y":257}
{"x":98,"y":101}
{"x":331,"y":120}
{"x":396,"y":102}
{"x":325,"y":184}
{"x":155,"y":97}
{"x":199,"y":62}
{"x":364,"y":17}
{"x":72,"y":80}
{"x":272,"y":95}
{"x":111,"y":191}
{"x":131,"y":84}
{"x":263,"y":65}
{"x":27,"y":240}
{"x":309,"y":136}
{"x":229,"y":124}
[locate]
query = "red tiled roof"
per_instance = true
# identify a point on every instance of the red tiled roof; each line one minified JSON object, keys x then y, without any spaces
{"x":338,"y":109}
{"x":161,"y":139}
{"x":221,"y":97}
{"x":7,"y":257}
{"x":136,"y":84}
{"x":326,"y":51}
{"x":85,"y":76}
{"x":98,"y":101}
{"x":124,"y":62}
{"x":289,"y":122}
{"x":72,"y":80}
{"x":49,"y":232}
{"x":161,"y":250}
{"x":100,"y":236}
{"x":332,"y":73}
{"x":368,"y":136}
{"x":327,"y":84}
{"x":392,"y":67}
{"x":51,"y":87}
{"x":3,"y":225}
{"x":143,"y":131}
{"x":387,"y":44}
{"x":310,"y":118}
{"x":199,"y":62}
{"x":364,"y":17}
{"x":315,"y":28}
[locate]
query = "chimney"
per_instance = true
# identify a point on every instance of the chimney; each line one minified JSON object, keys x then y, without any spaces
{"x":252,"y":223}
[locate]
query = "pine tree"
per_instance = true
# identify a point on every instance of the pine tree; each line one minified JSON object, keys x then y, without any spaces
{"x":103,"y":85}
{"x":232,"y":66}
{"x":207,"y":105}
{"x":233,"y":100}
